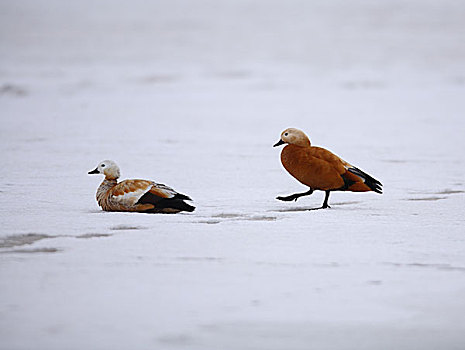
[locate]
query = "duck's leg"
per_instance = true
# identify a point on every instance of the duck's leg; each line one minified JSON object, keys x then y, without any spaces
{"x":295,"y":196}
{"x":325,"y":203}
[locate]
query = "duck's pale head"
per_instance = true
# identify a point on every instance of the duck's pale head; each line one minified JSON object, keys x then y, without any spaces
{"x":107,"y":168}
{"x":293,"y":136}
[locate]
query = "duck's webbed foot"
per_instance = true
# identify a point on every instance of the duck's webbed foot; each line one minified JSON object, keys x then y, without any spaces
{"x":295,"y":196}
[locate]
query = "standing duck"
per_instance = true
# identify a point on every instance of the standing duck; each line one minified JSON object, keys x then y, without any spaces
{"x":320,"y":169}
{"x":136,"y":195}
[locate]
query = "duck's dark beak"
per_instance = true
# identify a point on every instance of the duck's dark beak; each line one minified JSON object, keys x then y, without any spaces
{"x":95,"y":171}
{"x":279,"y":143}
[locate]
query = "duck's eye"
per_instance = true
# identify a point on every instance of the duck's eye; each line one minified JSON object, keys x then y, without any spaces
{"x":286,"y":134}
{"x":103,"y":165}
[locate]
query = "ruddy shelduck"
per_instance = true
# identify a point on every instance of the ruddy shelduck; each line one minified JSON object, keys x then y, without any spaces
{"x":136,"y":195}
{"x":320,"y":169}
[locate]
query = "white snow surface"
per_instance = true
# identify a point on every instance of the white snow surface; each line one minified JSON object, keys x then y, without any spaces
{"x":194,"y":94}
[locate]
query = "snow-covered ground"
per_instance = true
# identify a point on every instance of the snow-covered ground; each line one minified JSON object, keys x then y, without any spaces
{"x":194,"y":94}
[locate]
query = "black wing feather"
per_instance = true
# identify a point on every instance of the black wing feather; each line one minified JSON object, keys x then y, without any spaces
{"x":370,"y":181}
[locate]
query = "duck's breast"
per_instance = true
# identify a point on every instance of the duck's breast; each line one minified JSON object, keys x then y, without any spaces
{"x":313,"y":166}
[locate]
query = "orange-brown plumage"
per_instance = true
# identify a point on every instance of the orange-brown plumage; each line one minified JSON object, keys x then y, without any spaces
{"x":128,"y":186}
{"x":321,"y":169}
{"x":312,"y":167}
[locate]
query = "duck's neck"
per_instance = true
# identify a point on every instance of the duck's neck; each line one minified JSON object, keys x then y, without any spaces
{"x":304,"y":142}
{"x":106,"y":185}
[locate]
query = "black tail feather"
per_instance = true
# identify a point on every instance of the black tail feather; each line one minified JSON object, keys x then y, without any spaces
{"x":182,"y":196}
{"x":176,"y":202}
{"x":370,"y":181}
